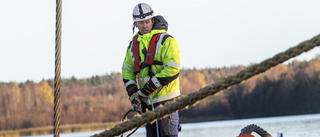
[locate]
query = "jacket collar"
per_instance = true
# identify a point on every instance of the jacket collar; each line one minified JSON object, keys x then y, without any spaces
{"x":148,"y":36}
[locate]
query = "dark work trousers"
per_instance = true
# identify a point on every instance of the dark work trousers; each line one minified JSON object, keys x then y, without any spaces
{"x":168,"y":126}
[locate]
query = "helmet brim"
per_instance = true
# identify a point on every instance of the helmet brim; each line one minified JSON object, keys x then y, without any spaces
{"x":138,"y":19}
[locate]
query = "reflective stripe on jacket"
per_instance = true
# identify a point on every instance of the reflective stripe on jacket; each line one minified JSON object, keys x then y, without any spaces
{"x":166,"y":75}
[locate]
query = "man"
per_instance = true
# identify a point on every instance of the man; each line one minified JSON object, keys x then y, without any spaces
{"x":153,"y":59}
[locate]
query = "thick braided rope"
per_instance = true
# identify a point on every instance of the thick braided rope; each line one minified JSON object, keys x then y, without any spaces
{"x":194,"y":97}
{"x":57,"y":70}
{"x":248,"y":130}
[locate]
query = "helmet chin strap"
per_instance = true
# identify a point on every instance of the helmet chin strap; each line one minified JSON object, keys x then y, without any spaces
{"x":133,"y":28}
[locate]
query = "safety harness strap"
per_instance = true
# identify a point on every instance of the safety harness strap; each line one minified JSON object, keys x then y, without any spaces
{"x":151,"y":49}
{"x":149,"y":59}
{"x":155,"y":62}
{"x":136,"y":57}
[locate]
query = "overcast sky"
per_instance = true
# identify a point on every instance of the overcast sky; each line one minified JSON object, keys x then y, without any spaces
{"x":96,"y":33}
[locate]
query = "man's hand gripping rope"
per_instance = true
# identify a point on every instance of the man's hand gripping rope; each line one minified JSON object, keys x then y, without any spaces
{"x":136,"y":99}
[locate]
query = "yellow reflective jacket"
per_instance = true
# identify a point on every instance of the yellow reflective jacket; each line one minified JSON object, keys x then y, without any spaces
{"x":167,"y":51}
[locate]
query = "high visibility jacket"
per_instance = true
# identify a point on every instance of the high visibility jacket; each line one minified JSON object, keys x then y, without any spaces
{"x":166,"y":76}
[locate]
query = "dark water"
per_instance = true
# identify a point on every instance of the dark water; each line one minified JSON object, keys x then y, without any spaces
{"x":290,"y":126}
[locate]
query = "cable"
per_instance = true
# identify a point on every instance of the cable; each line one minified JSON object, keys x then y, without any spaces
{"x":124,"y":117}
{"x":156,"y":120}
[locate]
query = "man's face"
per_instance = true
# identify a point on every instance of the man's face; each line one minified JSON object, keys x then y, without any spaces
{"x":144,"y":26}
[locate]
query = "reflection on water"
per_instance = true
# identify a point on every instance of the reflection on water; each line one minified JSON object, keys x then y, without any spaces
{"x":290,"y":126}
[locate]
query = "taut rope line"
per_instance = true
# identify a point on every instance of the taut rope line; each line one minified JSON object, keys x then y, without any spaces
{"x":57,"y":77}
{"x":194,"y":97}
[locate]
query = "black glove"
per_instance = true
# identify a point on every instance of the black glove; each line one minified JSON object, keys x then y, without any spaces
{"x":148,"y":88}
{"x":133,"y":89}
{"x":136,"y":98}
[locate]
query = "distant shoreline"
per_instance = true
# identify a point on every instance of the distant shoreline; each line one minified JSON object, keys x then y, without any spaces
{"x":82,"y":127}
{"x":101,"y":126}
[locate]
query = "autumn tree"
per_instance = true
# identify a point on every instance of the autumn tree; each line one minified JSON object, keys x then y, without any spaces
{"x":45,"y":92}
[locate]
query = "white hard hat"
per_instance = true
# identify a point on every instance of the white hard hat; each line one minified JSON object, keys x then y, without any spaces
{"x":142,"y":11}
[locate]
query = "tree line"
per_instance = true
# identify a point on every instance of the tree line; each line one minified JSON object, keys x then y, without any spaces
{"x":283,"y":90}
{"x":291,"y":89}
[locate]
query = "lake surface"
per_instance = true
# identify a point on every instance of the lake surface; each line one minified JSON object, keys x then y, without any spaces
{"x":290,"y":126}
